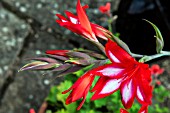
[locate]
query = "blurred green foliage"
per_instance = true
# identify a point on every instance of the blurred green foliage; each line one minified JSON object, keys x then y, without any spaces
{"x":110,"y":104}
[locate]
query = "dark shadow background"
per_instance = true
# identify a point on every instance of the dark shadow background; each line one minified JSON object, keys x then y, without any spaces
{"x":137,"y":33}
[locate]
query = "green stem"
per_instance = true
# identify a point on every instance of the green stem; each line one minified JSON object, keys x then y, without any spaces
{"x":110,"y":25}
{"x":137,"y":55}
{"x":148,"y":58}
{"x":100,"y":46}
{"x":165,"y":53}
{"x":121,"y":44}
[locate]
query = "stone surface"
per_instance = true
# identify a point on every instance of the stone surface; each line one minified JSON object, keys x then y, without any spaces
{"x":30,"y":88}
{"x":12,"y":33}
{"x":44,"y":10}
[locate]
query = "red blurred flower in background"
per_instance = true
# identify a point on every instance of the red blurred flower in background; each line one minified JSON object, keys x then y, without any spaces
{"x":158,"y":82}
{"x":81,"y":25}
{"x":32,"y":110}
{"x":156,"y":70}
{"x":125,"y":73}
{"x":105,"y":9}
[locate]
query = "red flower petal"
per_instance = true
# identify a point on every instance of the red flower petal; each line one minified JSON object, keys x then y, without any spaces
{"x":144,"y":93}
{"x":118,"y":55}
{"x":100,"y":31}
{"x":62,"y":18}
{"x":104,"y":87}
{"x":99,"y":83}
{"x":80,"y":89}
{"x":84,"y":97}
{"x":128,"y":92}
{"x":85,"y":7}
{"x":73,"y":18}
{"x":57,"y":52}
{"x":123,"y":111}
{"x":144,"y":89}
{"x":143,"y":109}
{"x":84,"y":21}
{"x":110,"y":70}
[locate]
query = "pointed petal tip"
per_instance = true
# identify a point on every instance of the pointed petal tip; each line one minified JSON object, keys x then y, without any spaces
{"x":20,"y":70}
{"x":123,"y":110}
{"x":128,"y":93}
{"x":66,"y":91}
{"x":84,"y":21}
{"x":58,"y":21}
{"x":93,"y":98}
{"x":67,"y":101}
{"x":81,"y":104}
{"x":59,"y":15}
{"x":98,"y":96}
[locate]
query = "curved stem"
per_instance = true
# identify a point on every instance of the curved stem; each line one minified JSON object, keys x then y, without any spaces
{"x":148,"y":58}
{"x":99,"y":45}
{"x":165,"y":53}
{"x":109,"y":21}
{"x":137,"y":55}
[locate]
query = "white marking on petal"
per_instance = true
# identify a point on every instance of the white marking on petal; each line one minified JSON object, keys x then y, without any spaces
{"x":139,"y":94}
{"x":127,"y":92}
{"x":110,"y":86}
{"x":73,"y":20}
{"x":64,"y":21}
{"x":143,"y":112}
{"x":111,"y":71}
{"x":113,"y":57}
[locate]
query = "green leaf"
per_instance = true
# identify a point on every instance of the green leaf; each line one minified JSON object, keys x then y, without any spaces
{"x":159,"y":38}
{"x":51,"y":98}
{"x":62,"y":87}
{"x":48,"y":111}
{"x":62,"y":111}
{"x":101,"y":102}
{"x":62,"y":97}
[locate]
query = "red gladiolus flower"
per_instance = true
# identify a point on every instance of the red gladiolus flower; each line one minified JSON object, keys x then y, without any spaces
{"x":125,"y":73}
{"x":105,"y":9}
{"x":156,"y":70}
{"x":80,"y":89}
{"x":81,"y":25}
